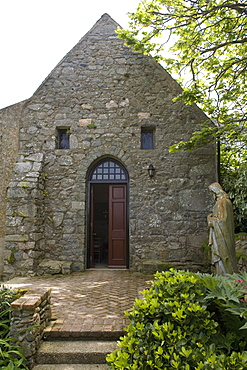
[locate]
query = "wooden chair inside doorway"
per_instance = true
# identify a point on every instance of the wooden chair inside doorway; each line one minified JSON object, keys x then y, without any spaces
{"x":97,"y":249}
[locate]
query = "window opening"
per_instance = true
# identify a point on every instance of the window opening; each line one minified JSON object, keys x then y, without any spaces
{"x":109,"y":171}
{"x":147,"y":138}
{"x":63,"y":135}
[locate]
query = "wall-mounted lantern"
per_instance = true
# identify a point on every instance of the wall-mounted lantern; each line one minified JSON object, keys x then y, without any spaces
{"x":151,"y":171}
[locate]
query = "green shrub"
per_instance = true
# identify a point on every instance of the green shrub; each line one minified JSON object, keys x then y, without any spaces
{"x":11,"y":356}
{"x":234,"y":182}
{"x":185,"y":322}
{"x":7,"y":296}
{"x":225,"y":297}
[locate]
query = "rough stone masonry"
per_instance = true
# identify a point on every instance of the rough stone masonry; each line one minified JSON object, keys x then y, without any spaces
{"x":103,"y":96}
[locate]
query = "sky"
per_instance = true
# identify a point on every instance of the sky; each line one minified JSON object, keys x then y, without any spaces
{"x":36,"y":34}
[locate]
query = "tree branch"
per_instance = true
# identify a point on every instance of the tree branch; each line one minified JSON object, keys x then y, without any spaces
{"x":216,"y":47}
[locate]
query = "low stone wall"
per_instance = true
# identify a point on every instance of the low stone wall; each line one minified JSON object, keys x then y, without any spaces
{"x":241,"y":252}
{"x":30,"y":316}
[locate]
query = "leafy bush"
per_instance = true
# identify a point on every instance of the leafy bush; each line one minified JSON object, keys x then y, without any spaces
{"x":234,"y":182}
{"x":186,"y":321}
{"x":7,"y":296}
{"x":225,"y":298}
{"x":11,"y":356}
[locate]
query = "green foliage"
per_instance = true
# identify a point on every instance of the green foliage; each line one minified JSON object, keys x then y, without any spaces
{"x":239,"y":236}
{"x":51,"y":219}
{"x":24,"y":184}
{"x":11,"y":257}
{"x":22,"y":214}
{"x":7,"y":296}
{"x":234,"y":182}
{"x":208,"y":56}
{"x":208,"y":45}
{"x":198,"y":139}
{"x":225,"y":299}
{"x":186,"y":321}
{"x":91,"y":125}
{"x":11,"y":356}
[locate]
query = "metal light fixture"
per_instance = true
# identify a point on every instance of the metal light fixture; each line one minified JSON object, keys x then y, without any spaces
{"x":151,"y":170}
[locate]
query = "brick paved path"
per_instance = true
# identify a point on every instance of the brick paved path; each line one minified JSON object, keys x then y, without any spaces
{"x":90,"y":304}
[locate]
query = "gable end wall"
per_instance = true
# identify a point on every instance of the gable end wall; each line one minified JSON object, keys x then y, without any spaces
{"x":105,"y":93}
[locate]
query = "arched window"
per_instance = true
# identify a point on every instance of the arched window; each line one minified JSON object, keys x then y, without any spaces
{"x":109,"y":170}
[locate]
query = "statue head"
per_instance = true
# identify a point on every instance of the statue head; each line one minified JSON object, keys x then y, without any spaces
{"x":217,"y":190}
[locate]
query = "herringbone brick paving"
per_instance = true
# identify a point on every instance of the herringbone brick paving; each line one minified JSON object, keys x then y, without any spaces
{"x":90,"y":304}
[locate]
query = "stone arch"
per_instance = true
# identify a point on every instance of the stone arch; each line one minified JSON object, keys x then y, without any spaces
{"x":103,"y":158}
{"x":103,"y":152}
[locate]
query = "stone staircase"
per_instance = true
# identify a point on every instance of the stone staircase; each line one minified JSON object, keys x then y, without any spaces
{"x":72,"y":354}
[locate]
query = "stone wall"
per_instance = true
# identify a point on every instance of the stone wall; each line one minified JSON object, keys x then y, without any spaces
{"x":9,"y":138}
{"x":104,"y":94}
{"x":24,"y":244}
{"x":30,"y":316}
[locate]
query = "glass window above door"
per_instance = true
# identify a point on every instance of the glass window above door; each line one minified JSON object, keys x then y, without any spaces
{"x":109,"y":171}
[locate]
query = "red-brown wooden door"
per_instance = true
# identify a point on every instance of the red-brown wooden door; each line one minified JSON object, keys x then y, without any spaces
{"x":117,"y":256}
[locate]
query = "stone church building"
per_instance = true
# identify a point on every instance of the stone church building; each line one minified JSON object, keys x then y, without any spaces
{"x":87,"y":180}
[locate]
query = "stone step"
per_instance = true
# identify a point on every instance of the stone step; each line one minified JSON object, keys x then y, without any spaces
{"x":51,"y":334}
{"x":74,"y":352}
{"x":72,"y":367}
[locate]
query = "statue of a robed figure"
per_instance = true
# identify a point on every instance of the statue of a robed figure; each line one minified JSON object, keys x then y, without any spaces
{"x":222,"y":236}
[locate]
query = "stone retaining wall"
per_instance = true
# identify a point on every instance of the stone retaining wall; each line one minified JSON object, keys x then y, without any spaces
{"x":30,"y":316}
{"x":241,"y":251}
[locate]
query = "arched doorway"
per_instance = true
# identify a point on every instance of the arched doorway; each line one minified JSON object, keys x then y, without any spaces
{"x":108,"y":215}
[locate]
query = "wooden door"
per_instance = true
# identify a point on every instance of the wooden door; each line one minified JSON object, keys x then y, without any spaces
{"x":117,"y":227}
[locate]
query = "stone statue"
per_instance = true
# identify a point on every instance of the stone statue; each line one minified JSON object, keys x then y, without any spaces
{"x":222,"y":237}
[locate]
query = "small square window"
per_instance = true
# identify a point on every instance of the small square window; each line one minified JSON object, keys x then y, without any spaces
{"x":63,"y":135}
{"x":147,"y":138}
